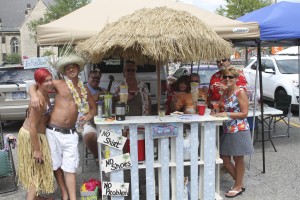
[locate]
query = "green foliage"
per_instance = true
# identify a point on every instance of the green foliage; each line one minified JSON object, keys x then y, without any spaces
{"x":238,"y":8}
{"x":48,"y":53}
{"x":13,"y":58}
{"x":55,"y":11}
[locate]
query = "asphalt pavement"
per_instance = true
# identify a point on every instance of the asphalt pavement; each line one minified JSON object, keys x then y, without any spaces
{"x":279,"y":182}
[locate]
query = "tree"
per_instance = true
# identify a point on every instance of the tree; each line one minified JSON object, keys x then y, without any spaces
{"x":48,"y":53}
{"x":55,"y":11}
{"x":13,"y":58}
{"x":238,"y":8}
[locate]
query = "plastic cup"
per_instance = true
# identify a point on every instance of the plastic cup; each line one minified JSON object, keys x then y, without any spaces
{"x":124,"y":97}
{"x":195,"y":94}
{"x":194,"y":85}
{"x":201,"y":109}
{"x":162,"y":111}
{"x":123,"y":88}
{"x":215,"y":105}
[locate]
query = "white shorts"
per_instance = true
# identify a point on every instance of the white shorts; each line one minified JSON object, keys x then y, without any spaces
{"x":89,"y":128}
{"x":64,"y":150}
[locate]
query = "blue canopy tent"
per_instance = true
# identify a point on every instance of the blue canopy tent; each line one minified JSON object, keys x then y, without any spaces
{"x":279,"y":26}
{"x":278,"y":23}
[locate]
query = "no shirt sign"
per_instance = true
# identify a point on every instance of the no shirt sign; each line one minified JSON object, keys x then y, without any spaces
{"x":110,"y":138}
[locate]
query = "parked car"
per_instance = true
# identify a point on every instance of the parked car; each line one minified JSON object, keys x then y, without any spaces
{"x":14,"y":98}
{"x":146,"y":73}
{"x":279,"y":77}
{"x":205,"y":72}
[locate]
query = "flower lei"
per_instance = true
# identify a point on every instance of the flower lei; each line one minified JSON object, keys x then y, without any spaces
{"x":82,"y":104}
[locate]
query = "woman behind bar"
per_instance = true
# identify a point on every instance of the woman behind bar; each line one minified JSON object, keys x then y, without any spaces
{"x":236,"y":140}
{"x":35,"y":167}
{"x":139,"y":101}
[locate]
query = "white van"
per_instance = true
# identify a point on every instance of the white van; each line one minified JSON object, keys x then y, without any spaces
{"x":146,"y":73}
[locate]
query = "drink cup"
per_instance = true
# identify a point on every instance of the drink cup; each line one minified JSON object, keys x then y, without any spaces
{"x":215,"y":105}
{"x":201,"y":108}
{"x":124,"y":97}
{"x":162,"y":111}
{"x":123,"y":88}
{"x":194,"y":85}
{"x":195,"y":94}
{"x":194,"y":90}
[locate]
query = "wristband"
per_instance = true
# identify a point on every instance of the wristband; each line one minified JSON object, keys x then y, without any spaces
{"x":228,"y":114}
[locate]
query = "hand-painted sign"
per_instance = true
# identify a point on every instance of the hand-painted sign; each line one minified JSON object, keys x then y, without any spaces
{"x":164,"y":130}
{"x":115,"y":189}
{"x":116,"y":163}
{"x":110,"y":138}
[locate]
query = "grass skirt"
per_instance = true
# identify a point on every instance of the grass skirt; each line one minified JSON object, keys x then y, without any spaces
{"x":31,"y":172}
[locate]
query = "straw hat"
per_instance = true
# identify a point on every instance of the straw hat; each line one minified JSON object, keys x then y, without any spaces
{"x":70,"y":59}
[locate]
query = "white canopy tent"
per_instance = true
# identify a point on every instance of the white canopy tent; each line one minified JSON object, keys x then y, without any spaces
{"x":90,"y":19}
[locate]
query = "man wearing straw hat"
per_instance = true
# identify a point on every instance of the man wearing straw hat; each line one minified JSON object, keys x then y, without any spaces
{"x":73,"y":103}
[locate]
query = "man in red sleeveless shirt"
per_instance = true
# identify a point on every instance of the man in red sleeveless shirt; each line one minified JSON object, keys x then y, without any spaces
{"x":216,"y":86}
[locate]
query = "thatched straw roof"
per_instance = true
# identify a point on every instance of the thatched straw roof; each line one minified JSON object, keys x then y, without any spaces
{"x":161,"y":34}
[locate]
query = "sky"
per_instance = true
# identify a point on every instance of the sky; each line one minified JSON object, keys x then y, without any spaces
{"x":212,"y":5}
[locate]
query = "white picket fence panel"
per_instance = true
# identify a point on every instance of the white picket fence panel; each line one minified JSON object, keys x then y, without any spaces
{"x":170,"y":164}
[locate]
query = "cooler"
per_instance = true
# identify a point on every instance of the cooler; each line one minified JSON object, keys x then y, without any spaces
{"x":140,"y":144}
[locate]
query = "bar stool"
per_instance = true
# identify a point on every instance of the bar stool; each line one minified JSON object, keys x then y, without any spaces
{"x":86,"y":156}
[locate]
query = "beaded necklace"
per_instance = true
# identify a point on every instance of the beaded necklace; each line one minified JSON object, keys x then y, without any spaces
{"x":82,"y":104}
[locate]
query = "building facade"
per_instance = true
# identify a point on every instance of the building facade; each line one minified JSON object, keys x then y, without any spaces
{"x":28,"y":44}
{"x":15,"y":35}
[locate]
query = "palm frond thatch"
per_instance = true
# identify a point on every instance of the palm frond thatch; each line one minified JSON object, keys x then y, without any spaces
{"x":161,"y":34}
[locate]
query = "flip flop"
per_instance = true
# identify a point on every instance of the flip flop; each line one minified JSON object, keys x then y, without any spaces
{"x":243,"y":189}
{"x":236,"y":193}
{"x":43,"y":198}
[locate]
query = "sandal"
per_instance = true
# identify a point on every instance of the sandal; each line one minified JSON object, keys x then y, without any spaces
{"x":235,"y":193}
{"x":243,"y":189}
{"x":43,"y":198}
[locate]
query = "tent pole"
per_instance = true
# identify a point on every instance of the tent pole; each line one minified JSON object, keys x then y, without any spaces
{"x":246,"y":56}
{"x":261,"y":103}
{"x":298,"y":43}
{"x":254,"y":106}
{"x":158,"y":85}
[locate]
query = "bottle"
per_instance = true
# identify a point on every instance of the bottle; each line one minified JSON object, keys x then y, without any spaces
{"x":108,"y":105}
{"x":99,"y":109}
{"x":79,"y":124}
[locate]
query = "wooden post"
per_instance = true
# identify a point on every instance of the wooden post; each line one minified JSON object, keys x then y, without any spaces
{"x":158,"y":85}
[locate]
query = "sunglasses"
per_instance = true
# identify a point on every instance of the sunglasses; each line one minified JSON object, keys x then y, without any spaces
{"x":95,"y":77}
{"x":223,"y":60}
{"x":230,"y":77}
{"x":130,"y":70}
{"x":194,"y":81}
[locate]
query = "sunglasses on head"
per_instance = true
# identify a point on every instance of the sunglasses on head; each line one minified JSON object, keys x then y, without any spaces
{"x":223,"y":60}
{"x":130,"y":70}
{"x":230,"y":77}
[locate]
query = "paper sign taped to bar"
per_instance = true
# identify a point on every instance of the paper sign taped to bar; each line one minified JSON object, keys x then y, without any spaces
{"x":110,"y":138}
{"x":116,"y":163}
{"x":164,"y":130}
{"x":115,"y":189}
